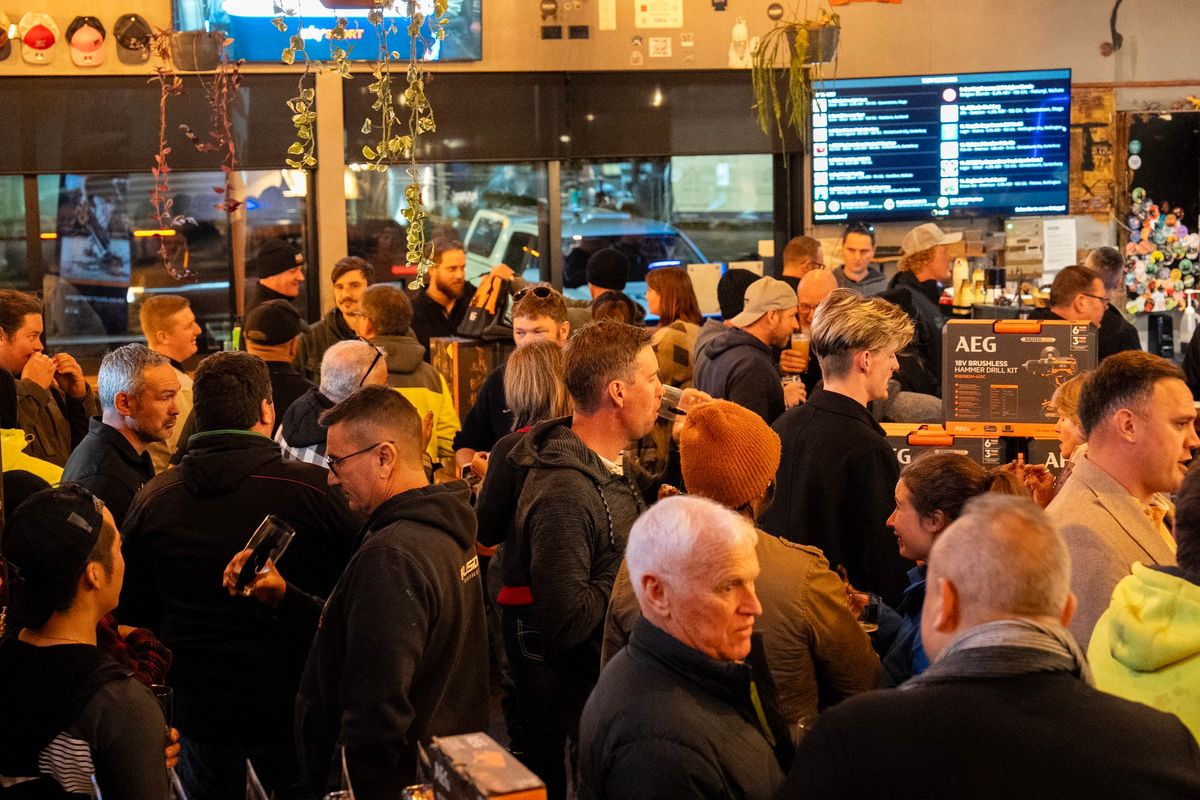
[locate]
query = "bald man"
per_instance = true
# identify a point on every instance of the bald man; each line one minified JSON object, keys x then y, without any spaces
{"x":998,"y":713}
{"x":815,"y":286}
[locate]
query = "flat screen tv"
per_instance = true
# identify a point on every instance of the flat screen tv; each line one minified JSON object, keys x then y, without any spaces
{"x":932,"y":146}
{"x":256,"y":39}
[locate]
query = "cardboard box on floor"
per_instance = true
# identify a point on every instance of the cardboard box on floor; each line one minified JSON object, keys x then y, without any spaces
{"x":466,"y":363}
{"x":998,"y":375}
{"x":474,"y":766}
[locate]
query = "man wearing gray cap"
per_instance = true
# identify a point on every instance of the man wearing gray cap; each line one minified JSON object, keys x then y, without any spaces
{"x":740,"y":366}
{"x":924,"y":272}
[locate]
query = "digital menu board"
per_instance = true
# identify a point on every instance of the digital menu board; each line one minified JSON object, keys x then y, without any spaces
{"x":930,"y":146}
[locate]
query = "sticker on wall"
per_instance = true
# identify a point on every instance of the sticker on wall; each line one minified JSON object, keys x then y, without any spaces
{"x":608,"y":15}
{"x":1160,"y":256}
{"x":660,"y":46}
{"x":1135,"y":146}
{"x":636,"y":59}
{"x":635,"y":40}
{"x":775,"y":12}
{"x":658,"y":13}
{"x":687,"y":43}
{"x":741,"y":45}
{"x":1135,"y":161}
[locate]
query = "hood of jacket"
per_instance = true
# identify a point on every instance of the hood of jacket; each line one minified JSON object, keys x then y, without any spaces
{"x":553,"y":445}
{"x":403,"y":354}
{"x":1154,"y":619}
{"x":709,"y":332}
{"x":337,"y":323}
{"x":217,"y":461}
{"x":442,"y":506}
{"x":300,"y":426}
{"x":734,"y":338}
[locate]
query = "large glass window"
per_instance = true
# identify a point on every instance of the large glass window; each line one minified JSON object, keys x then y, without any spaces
{"x":491,"y":208}
{"x":101,"y":256}
{"x":14,"y":270}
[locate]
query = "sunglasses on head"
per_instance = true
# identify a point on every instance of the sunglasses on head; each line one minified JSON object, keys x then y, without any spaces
{"x":541,"y":292}
{"x":374,"y":361}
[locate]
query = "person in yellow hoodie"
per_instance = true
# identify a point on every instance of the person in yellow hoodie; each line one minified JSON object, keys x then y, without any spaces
{"x":1146,"y":646}
{"x":384,"y":319}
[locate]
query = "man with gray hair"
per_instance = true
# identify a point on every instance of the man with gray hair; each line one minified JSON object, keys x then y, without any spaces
{"x":837,"y":475}
{"x":345,"y":368}
{"x":1116,"y":332}
{"x":138,"y":389}
{"x":1008,"y":708}
{"x":686,"y":710}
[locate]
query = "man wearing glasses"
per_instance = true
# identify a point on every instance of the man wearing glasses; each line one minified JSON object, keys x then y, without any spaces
{"x":236,"y":669}
{"x":802,"y":254}
{"x":1076,"y":294}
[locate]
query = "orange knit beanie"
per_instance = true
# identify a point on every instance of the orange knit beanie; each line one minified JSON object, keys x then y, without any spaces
{"x":727,"y":453}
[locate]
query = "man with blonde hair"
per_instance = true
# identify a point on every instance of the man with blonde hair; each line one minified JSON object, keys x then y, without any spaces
{"x":170,"y":329}
{"x":837,"y":475}
{"x":1007,"y":706}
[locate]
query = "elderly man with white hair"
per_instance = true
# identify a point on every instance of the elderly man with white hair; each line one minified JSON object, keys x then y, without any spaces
{"x":686,"y":710}
{"x":1008,"y":708}
{"x":345,"y":368}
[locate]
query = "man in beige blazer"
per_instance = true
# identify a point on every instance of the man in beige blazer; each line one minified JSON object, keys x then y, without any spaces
{"x":1138,"y":415}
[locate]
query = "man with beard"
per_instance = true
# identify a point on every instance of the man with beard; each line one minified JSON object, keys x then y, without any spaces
{"x":441,"y":305}
{"x":138,"y":390}
{"x":351,"y":277}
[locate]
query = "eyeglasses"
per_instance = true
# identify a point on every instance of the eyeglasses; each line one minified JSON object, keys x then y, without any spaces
{"x":333,"y":462}
{"x":370,"y":369}
{"x":541,"y":292}
{"x":1101,"y":298}
{"x":805,"y":308}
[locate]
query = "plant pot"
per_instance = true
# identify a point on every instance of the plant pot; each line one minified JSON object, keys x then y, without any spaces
{"x":822,"y":43}
{"x":197,"y":51}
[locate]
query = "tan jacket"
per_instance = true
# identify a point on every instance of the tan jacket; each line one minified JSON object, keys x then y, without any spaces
{"x":1107,"y":532}
{"x":817,"y":651}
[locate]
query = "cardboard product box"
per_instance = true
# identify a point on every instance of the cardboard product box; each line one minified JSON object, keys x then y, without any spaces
{"x":998,"y":375}
{"x":466,"y":363}
{"x":474,"y":767}
{"x":910,"y":440}
{"x":1046,"y":453}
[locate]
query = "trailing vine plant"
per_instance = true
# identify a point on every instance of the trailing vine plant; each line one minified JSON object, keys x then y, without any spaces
{"x":220,"y":94}
{"x":303,"y":105}
{"x":161,"y":202}
{"x":393,"y":142}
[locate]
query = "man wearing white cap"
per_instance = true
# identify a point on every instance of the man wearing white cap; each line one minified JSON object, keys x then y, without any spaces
{"x":740,"y":365}
{"x":924,"y":271}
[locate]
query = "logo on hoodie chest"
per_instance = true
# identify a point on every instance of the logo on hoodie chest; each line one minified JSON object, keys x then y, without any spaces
{"x":470,"y":569}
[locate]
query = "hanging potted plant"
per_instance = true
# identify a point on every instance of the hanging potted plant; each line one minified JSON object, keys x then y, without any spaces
{"x":783,"y":99}
{"x":198,"y":49}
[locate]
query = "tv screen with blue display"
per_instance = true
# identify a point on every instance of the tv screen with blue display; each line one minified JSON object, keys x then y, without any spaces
{"x":930,"y":146}
{"x":256,"y":39}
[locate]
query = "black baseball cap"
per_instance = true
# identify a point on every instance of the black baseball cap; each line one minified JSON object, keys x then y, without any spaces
{"x":49,"y":537}
{"x":133,"y":35}
{"x":274,"y":322}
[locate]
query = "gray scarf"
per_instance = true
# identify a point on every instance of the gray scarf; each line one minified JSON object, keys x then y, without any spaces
{"x":1005,"y":648}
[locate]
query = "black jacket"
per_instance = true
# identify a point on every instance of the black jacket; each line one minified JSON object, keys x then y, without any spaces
{"x":430,"y":318}
{"x":571,"y":525}
{"x":1030,"y":737}
{"x":106,"y":463}
{"x":401,"y":653}
{"x":1116,"y":333}
{"x":287,"y":386}
{"x":666,"y":722}
{"x":327,"y":332}
{"x":301,"y":426}
{"x":835,"y":490}
{"x":496,"y":506}
{"x":740,"y":368}
{"x":928,"y":318}
{"x":236,"y":668}
{"x":489,"y":419}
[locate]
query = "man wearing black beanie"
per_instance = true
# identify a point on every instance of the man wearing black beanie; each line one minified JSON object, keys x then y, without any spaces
{"x":280,"y":270}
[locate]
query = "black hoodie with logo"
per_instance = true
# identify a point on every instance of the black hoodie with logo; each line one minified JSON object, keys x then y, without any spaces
{"x":236,"y":666}
{"x":401,"y":652}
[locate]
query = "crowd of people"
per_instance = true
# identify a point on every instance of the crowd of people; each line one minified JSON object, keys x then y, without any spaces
{"x":686,"y":557}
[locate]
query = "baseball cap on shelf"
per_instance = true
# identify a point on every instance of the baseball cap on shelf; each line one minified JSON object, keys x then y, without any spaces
{"x":765,"y":294}
{"x":5,"y":41}
{"x":926,"y":236}
{"x":38,"y":35}
{"x":133,"y":35}
{"x":85,"y":37}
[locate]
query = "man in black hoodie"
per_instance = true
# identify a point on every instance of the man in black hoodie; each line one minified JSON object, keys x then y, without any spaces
{"x":576,"y":507}
{"x":401,"y":652}
{"x":351,"y":277}
{"x":236,"y":669}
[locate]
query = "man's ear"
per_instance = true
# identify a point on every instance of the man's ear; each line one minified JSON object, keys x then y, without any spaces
{"x":266,"y":413}
{"x":1125,"y":422}
{"x":294,"y":347}
{"x":121,"y":402}
{"x":949,"y":613}
{"x":654,"y":594}
{"x":861,"y":361}
{"x":564,"y":331}
{"x":616,"y":393}
{"x":1069,"y":609}
{"x":94,"y":575}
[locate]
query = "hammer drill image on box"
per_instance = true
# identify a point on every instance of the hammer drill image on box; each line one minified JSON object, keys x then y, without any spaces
{"x":1054,"y":367}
